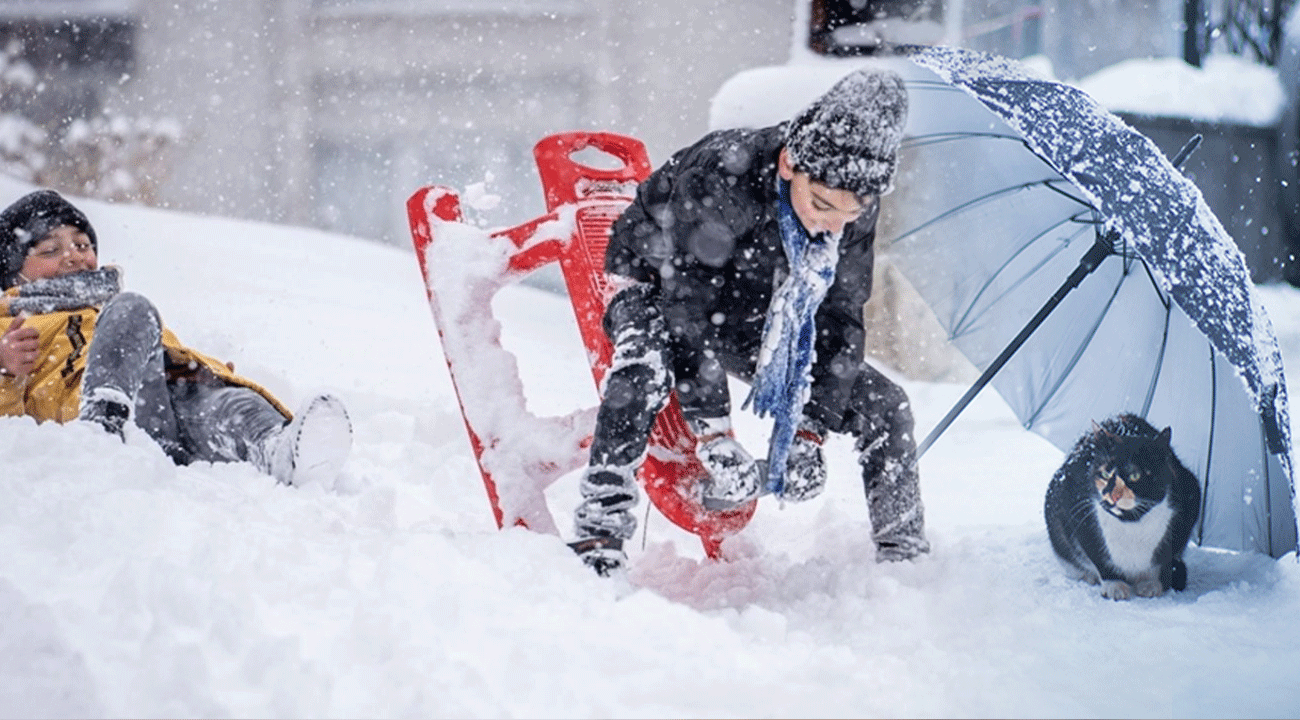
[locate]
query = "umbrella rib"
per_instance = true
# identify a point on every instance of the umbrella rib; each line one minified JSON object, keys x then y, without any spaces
{"x":1050,"y":184}
{"x":975,"y":202}
{"x":1160,"y":358}
{"x":1268,"y":496}
{"x":1078,"y":354}
{"x":1155,"y":284}
{"x":935,"y":138}
{"x":959,"y":327}
{"x":1209,"y":446}
{"x":1155,"y":380}
{"x":1062,"y":181}
{"x":927,"y":139}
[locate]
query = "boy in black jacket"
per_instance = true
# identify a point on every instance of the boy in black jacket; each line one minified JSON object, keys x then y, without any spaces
{"x":703,"y":257}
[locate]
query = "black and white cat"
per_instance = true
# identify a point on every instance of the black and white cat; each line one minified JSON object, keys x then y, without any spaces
{"x":1121,"y":510}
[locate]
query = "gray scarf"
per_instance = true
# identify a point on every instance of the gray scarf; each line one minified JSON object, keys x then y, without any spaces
{"x":68,"y":292}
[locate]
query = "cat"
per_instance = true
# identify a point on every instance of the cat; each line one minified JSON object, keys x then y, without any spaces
{"x":1121,"y":509}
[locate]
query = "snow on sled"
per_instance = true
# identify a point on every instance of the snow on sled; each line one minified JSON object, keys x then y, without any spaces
{"x":519,"y":454}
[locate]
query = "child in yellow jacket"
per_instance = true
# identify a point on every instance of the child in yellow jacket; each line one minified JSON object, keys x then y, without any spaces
{"x":75,"y":347}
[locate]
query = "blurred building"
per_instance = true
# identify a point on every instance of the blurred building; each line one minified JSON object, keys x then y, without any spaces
{"x":329,"y":113}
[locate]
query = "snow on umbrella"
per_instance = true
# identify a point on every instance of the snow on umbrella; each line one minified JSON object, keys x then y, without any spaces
{"x":1022,"y":183}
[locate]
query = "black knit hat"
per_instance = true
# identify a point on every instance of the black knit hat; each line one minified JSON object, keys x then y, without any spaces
{"x":848,"y":138}
{"x":27,"y":222}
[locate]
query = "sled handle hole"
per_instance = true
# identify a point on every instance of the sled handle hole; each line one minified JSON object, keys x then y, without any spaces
{"x":596,"y":159}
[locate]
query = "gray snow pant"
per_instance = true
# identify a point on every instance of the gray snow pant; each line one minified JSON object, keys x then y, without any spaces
{"x":878,"y":415}
{"x":197,"y":417}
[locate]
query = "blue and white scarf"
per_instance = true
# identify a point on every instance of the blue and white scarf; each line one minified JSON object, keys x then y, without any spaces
{"x":783,"y":378}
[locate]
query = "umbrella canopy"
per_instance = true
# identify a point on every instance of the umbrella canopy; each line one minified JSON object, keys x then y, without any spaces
{"x":1019,"y":180}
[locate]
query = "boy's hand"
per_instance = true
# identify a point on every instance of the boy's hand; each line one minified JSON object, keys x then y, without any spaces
{"x":805,"y":468}
{"x":19,"y":347}
{"x":734,"y":476}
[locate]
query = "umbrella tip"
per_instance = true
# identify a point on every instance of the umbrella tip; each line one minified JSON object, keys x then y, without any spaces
{"x":1187,"y":151}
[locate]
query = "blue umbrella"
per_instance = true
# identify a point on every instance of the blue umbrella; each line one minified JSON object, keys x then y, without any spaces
{"x":1068,"y":258}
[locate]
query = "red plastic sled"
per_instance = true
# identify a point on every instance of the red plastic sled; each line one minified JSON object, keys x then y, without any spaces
{"x":518,"y":453}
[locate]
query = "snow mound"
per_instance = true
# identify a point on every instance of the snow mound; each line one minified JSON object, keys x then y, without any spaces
{"x":1228,"y":89}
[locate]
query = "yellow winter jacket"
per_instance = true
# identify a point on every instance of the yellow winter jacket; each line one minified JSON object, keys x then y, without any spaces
{"x":53,"y":389}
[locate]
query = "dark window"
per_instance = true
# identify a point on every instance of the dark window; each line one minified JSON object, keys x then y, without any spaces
{"x":1250,"y":28}
{"x":74,"y":58}
{"x":862,"y":27}
{"x":73,"y":44}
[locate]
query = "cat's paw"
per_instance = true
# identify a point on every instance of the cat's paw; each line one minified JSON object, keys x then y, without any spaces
{"x":1150,"y":588}
{"x":1116,"y":590}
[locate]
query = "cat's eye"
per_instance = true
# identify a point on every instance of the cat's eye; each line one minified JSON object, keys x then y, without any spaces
{"x":1107,"y":473}
{"x":1134,"y":477}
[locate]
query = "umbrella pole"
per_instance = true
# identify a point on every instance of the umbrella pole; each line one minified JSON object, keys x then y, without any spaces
{"x":1089,"y":262}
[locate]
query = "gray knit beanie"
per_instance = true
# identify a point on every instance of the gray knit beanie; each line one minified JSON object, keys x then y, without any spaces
{"x":27,"y":222}
{"x":848,"y":138}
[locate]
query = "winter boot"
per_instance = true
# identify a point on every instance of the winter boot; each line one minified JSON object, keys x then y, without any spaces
{"x":608,"y":496}
{"x":108,"y":408}
{"x":603,"y":554}
{"x":900,"y":548}
{"x":313,"y":447}
{"x":894,"y":504}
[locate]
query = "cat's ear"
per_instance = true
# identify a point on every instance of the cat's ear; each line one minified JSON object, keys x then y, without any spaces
{"x":1164,"y":436}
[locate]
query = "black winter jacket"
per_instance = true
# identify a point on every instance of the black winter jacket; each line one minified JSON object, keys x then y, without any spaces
{"x":703,"y":229}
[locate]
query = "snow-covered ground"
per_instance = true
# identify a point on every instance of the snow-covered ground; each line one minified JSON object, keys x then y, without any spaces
{"x":131,"y":587}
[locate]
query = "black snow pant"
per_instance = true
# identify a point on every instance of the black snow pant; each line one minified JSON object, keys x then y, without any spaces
{"x":194,"y":417}
{"x":877,"y":414}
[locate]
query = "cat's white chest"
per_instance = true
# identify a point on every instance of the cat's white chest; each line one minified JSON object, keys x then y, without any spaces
{"x":1132,"y":545}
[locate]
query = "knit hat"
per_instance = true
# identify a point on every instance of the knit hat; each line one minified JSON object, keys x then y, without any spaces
{"x":848,"y":138}
{"x":27,"y":222}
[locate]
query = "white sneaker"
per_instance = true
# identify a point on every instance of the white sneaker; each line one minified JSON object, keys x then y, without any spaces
{"x":313,"y":446}
{"x":108,"y":408}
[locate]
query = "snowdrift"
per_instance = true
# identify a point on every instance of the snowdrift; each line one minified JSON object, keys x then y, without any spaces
{"x":133,"y":587}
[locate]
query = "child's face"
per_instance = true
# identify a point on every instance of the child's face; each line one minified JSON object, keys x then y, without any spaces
{"x":65,"y":250}
{"x":819,"y":208}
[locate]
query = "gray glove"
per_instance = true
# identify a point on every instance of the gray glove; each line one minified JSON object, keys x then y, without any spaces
{"x":805,"y":467}
{"x":734,"y":476}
